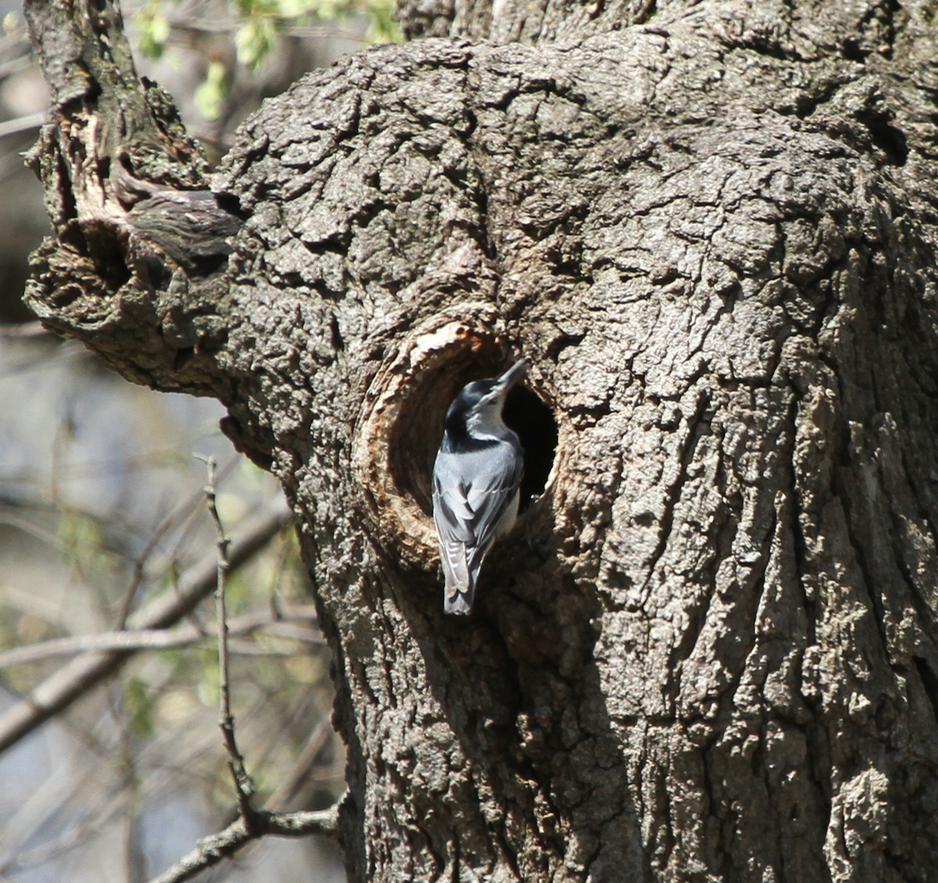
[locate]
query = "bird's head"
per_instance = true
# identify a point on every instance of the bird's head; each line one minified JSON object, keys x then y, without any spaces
{"x":477,"y":409}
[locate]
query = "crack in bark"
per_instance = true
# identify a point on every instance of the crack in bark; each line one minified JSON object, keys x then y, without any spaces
{"x":692,"y":437}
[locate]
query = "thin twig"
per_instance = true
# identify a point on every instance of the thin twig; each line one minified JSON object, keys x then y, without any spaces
{"x":242,"y":781}
{"x":213,"y":849}
{"x":83,"y":829}
{"x":300,"y":771}
{"x":23,"y":124}
{"x":180,"y":516}
{"x":16,"y":65}
{"x":80,"y":675}
{"x":251,"y":824}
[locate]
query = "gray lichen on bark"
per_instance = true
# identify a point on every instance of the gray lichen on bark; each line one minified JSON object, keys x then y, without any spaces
{"x":709,"y":650}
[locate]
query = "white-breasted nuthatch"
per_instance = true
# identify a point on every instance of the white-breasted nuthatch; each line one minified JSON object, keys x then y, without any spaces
{"x":476,"y":478}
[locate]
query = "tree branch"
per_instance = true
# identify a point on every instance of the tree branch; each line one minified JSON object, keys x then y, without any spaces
{"x":23,"y":123}
{"x":81,"y":674}
{"x":251,"y":824}
{"x":300,"y":771}
{"x":87,"y":62}
{"x":153,"y":639}
{"x":211,"y":850}
{"x":242,"y":781}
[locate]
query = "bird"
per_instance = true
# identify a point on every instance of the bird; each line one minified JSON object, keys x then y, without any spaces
{"x":476,"y":477}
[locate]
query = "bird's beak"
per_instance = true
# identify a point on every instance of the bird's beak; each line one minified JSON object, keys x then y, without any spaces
{"x":511,"y":376}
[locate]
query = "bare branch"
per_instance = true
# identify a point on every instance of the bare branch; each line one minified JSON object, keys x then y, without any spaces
{"x":160,"y":639}
{"x":23,"y":123}
{"x":251,"y":824}
{"x":81,"y":674}
{"x":180,"y":516}
{"x":300,"y":772}
{"x":242,"y":781}
{"x":213,"y":849}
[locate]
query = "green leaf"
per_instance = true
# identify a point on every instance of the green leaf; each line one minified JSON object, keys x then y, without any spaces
{"x":288,"y":9}
{"x":154,"y":29}
{"x":255,"y":38}
{"x":211,"y":92}
{"x":382,"y":27}
{"x":85,"y":545}
{"x":138,"y":704}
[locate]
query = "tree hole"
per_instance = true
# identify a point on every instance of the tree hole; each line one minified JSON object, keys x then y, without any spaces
{"x":528,"y":415}
{"x":420,"y":430}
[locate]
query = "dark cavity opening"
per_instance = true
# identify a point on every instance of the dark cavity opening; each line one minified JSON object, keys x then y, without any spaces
{"x":530,"y":417}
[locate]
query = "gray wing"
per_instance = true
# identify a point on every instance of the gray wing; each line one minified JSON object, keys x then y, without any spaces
{"x":467,"y":512}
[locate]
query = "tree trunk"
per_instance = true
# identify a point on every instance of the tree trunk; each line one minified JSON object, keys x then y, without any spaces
{"x":708,"y":651}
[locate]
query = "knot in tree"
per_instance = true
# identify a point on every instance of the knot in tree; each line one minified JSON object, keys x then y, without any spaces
{"x":708,"y":650}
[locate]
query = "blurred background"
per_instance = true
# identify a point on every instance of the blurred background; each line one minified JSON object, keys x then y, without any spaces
{"x":102,"y":510}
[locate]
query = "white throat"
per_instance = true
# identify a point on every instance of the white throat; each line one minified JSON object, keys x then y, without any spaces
{"x":486,"y":422}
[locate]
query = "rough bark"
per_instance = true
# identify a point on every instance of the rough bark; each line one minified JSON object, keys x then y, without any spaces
{"x":709,"y":650}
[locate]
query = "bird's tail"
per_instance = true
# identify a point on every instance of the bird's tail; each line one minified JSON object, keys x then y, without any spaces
{"x":461,"y":580}
{"x":458,"y":599}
